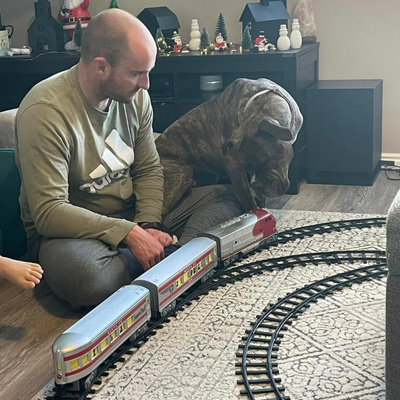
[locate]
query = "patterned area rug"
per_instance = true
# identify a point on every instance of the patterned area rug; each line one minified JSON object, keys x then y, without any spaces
{"x":334,"y":350}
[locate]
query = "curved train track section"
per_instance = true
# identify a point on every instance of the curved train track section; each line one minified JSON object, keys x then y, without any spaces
{"x":258,"y":352}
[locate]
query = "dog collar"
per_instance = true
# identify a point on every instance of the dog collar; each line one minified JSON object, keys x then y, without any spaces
{"x":274,"y":89}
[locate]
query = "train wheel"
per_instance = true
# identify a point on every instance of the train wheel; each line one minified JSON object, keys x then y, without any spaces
{"x":168,"y":309}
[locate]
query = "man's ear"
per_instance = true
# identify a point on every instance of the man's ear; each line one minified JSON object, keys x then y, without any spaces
{"x":100,"y":65}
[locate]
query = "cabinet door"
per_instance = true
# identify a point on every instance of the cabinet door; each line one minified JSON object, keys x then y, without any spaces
{"x":164,"y":115}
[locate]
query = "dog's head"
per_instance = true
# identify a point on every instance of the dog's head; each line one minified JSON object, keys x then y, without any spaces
{"x":268,"y":121}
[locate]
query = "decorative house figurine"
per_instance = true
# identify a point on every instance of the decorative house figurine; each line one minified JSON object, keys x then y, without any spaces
{"x":265,"y":16}
{"x":45,"y":33}
{"x":163,"y":18}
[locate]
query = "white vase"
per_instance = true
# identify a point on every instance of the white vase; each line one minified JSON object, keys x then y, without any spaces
{"x":295,"y":36}
{"x":283,"y":43}
{"x":195,"y":35}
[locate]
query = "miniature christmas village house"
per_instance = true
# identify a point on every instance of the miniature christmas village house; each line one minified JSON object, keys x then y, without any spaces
{"x":163,"y":18}
{"x":45,"y":33}
{"x":265,"y":16}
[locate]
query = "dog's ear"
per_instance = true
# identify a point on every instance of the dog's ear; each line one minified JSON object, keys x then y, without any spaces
{"x":272,"y":127}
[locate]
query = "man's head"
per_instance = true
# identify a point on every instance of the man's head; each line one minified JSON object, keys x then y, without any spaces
{"x":118,"y":53}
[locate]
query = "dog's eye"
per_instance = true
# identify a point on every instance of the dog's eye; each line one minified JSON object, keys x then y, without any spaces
{"x":264,"y":135}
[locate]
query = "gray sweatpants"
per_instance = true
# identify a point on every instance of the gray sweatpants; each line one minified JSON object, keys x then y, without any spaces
{"x":84,"y":272}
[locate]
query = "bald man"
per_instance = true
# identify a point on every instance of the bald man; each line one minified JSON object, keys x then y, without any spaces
{"x":92,"y":183}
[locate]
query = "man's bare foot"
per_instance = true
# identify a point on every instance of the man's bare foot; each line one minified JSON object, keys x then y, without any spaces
{"x":23,"y":274}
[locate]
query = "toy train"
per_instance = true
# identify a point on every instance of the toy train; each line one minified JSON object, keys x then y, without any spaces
{"x":124,"y":315}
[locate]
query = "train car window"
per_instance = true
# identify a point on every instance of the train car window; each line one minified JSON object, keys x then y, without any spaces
{"x":193,"y":271}
{"x":121,"y":328}
{"x":74,"y":364}
{"x":95,"y":352}
{"x":129,"y":321}
{"x":179,"y":282}
{"x":185,"y":277}
{"x":199,"y":266}
{"x":113,"y":335}
{"x":85,"y":359}
{"x":103,"y":344}
{"x":58,"y":366}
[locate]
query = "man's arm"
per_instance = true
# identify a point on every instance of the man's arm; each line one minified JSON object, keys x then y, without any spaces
{"x":43,"y":157}
{"x":148,"y":178}
{"x":146,"y":171}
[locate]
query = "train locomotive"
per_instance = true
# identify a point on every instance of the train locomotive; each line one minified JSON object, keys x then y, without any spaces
{"x":124,"y":315}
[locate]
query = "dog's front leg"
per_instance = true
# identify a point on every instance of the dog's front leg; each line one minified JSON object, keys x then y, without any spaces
{"x":238,"y":177}
{"x":178,"y":178}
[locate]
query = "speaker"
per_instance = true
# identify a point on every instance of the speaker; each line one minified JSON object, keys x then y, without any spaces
{"x":344,"y":131}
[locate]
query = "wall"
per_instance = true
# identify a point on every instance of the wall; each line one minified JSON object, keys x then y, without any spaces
{"x":358,"y":40}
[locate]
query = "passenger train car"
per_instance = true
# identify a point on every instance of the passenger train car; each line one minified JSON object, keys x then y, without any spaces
{"x":85,"y":345}
{"x":178,"y":272}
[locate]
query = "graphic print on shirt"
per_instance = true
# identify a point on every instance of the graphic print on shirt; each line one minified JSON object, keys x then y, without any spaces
{"x":118,"y":159}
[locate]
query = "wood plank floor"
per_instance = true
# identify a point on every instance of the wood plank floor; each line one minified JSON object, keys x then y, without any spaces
{"x":31,"y":320}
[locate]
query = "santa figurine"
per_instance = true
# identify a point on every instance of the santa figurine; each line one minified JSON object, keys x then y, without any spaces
{"x":220,"y":44}
{"x":70,"y":11}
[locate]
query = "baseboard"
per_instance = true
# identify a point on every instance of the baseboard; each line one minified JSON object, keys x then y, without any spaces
{"x":394,"y":157}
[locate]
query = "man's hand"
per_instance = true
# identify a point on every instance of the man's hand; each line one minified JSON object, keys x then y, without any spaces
{"x":164,"y":239}
{"x":145,"y":247}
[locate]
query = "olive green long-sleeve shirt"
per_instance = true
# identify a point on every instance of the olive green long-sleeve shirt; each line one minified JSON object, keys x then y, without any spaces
{"x":85,"y":173}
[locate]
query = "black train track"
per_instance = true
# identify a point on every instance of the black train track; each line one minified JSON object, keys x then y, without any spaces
{"x":258,"y":354}
{"x":229,"y":275}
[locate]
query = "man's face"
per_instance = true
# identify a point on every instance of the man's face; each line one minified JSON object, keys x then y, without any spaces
{"x":130,"y":75}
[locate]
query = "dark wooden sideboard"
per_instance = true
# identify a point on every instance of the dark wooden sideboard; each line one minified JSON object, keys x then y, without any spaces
{"x":175,"y":82}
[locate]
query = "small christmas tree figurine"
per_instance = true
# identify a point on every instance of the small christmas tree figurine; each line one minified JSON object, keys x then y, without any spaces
{"x":161,"y":43}
{"x":247,"y":43}
{"x":204,"y":40}
{"x":221,"y":28}
{"x":78,"y":33}
{"x":114,"y":4}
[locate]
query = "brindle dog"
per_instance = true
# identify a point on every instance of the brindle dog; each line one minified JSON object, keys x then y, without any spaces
{"x":244,"y":136}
